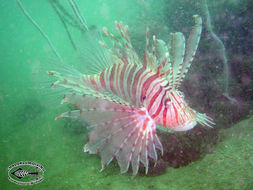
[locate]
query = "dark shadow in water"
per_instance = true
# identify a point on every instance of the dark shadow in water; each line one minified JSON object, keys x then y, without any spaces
{"x":27,"y":111}
{"x":182,"y":148}
{"x":74,"y":127}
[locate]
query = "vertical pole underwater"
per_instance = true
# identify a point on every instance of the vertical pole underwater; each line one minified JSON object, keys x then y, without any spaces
{"x":74,"y":6}
{"x":57,"y":8}
{"x":222,"y":48}
{"x":39,"y":29}
{"x":78,"y":14}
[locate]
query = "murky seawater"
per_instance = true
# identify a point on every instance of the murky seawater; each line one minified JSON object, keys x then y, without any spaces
{"x":202,"y":158}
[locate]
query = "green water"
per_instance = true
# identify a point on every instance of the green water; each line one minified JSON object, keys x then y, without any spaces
{"x":28,"y":130}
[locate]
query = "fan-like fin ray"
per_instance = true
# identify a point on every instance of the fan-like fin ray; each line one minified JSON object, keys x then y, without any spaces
{"x":191,"y":47}
{"x":177,"y":56}
{"x":128,"y":139}
{"x":122,"y":51}
{"x":93,"y":63}
{"x":174,"y":60}
{"x":116,"y":131}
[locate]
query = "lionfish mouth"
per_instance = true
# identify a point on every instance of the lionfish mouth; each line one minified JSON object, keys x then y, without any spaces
{"x":200,"y":118}
{"x":187,"y":126}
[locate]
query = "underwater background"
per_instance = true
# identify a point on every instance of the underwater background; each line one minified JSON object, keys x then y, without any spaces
{"x":202,"y":158}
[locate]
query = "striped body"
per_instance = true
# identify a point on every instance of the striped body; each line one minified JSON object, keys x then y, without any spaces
{"x":143,"y":88}
{"x":127,"y":97}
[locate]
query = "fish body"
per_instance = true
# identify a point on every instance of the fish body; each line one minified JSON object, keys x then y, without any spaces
{"x":128,"y":97}
{"x":145,"y":89}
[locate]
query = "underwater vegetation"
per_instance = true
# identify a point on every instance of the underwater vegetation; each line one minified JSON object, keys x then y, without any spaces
{"x":210,"y":75}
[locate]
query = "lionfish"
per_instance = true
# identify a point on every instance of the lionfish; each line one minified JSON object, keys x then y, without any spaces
{"x":125,"y":102}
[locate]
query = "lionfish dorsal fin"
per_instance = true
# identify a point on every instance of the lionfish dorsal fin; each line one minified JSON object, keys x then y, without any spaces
{"x":163,"y":61}
{"x":177,"y":51}
{"x":191,"y":46}
{"x":162,"y":52}
{"x":182,"y":66}
{"x":121,"y":49}
{"x":174,"y":60}
{"x":150,"y":58}
{"x":93,"y":55}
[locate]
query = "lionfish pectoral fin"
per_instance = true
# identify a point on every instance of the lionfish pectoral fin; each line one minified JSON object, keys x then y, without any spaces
{"x":116,"y":130}
{"x":126,"y":138}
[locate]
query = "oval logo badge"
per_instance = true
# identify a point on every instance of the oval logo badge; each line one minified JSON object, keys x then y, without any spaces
{"x":26,"y":173}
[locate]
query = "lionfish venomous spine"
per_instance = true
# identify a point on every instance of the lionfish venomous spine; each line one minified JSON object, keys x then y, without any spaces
{"x":128,"y":97}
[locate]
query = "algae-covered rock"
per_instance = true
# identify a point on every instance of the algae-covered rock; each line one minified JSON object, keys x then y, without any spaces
{"x":230,"y":165}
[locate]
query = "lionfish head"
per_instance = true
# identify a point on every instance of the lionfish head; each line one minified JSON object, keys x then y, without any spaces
{"x":182,"y":117}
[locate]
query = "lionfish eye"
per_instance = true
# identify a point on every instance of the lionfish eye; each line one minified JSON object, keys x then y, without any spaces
{"x":143,"y":97}
{"x":167,"y":102}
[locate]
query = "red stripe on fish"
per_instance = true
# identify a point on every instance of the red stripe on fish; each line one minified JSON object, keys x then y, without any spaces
{"x":154,"y":98}
{"x":102,"y":80}
{"x":112,"y":78}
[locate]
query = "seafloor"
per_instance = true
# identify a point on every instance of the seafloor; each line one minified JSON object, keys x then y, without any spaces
{"x":59,"y":149}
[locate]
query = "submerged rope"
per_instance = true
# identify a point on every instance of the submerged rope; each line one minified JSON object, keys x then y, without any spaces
{"x":64,"y":24}
{"x":222,"y":47}
{"x":80,"y":15}
{"x":39,"y":29}
{"x":77,"y":12}
{"x":67,"y":17}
